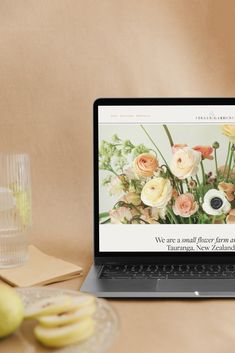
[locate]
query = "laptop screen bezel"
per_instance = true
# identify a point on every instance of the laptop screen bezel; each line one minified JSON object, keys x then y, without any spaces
{"x":117,"y":257}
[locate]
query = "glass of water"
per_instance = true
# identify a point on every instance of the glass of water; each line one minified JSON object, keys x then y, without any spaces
{"x":15,"y":208}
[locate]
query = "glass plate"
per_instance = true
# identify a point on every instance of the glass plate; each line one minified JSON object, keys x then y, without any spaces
{"x":106,"y":324}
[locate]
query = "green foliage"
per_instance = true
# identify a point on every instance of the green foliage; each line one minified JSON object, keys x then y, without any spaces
{"x":106,"y":180}
{"x":114,"y":155}
{"x":138,"y":150}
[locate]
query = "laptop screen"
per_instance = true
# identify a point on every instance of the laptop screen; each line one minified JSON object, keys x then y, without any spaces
{"x":166,"y":178}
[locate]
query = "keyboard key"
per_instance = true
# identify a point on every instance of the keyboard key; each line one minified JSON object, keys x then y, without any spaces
{"x":175,"y":271}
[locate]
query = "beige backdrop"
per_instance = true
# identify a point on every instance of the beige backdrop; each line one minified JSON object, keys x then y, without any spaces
{"x":56,"y":57}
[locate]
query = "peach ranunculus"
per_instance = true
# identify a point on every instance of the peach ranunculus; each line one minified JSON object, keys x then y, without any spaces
{"x":230,"y":219}
{"x":229,"y":131}
{"x":178,"y":146}
{"x":185,"y":162}
{"x":185,"y":205}
{"x":145,"y":165}
{"x":205,"y":151}
{"x":228,"y":189}
{"x":157,"y":192}
{"x":121,"y":215}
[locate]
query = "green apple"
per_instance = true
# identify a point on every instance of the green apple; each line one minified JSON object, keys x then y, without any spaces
{"x":67,"y":317}
{"x":65,"y":335}
{"x":11,"y":310}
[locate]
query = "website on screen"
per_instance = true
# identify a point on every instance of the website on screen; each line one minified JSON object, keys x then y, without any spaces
{"x":166,"y":178}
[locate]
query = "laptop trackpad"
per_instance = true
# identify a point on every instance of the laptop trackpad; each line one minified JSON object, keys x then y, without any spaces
{"x":196,"y":285}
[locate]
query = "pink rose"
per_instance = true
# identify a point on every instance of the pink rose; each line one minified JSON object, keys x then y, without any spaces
{"x":145,"y":165}
{"x":185,"y":205}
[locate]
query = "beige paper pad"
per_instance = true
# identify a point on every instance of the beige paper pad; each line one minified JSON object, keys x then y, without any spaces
{"x":40,"y":269}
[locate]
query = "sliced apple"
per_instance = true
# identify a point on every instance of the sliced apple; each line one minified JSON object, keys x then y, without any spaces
{"x":67,"y":317}
{"x":82,"y":301}
{"x":48,"y":306}
{"x":65,"y":335}
{"x":57,"y":305}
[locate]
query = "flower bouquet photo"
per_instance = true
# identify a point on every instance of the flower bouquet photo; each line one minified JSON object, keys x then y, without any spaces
{"x":150,"y":189}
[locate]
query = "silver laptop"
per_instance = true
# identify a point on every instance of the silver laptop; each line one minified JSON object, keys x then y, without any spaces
{"x":164,"y":198}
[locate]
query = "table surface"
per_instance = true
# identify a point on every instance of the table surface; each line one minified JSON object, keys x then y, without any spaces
{"x":167,"y":326}
{"x":56,"y":58}
{"x":159,"y":325}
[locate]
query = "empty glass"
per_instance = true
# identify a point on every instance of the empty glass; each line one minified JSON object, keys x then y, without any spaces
{"x":15,"y":208}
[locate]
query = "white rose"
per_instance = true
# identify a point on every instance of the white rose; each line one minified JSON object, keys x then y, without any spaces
{"x":156,"y":192}
{"x":185,"y":162}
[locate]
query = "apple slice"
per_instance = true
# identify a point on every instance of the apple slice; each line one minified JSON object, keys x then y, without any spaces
{"x":57,"y":305}
{"x":67,"y":317}
{"x":48,"y":306}
{"x":65,"y":335}
{"x":82,"y":301}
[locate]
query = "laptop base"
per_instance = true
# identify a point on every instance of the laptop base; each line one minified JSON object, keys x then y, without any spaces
{"x":157,"y":288}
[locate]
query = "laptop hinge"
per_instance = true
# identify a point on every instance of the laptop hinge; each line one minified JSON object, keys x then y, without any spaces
{"x":164,"y":260}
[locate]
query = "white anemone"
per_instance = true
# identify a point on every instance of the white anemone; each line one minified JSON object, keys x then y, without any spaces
{"x":215,"y":203}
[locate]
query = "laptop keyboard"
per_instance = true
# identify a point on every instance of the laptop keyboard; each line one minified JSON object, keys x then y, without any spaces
{"x":207,"y":271}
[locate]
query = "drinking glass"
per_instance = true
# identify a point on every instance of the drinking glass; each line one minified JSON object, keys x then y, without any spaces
{"x":15,"y":208}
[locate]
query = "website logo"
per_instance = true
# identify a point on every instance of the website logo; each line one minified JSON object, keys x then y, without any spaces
{"x":212,"y":117}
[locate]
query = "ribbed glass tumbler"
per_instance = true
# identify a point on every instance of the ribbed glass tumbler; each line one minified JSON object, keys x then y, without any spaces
{"x":15,"y":208}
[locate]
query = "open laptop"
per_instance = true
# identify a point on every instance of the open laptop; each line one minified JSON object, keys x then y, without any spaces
{"x":164,"y":198}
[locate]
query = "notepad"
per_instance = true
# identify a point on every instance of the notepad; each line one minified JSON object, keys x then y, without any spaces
{"x":40,"y":269}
